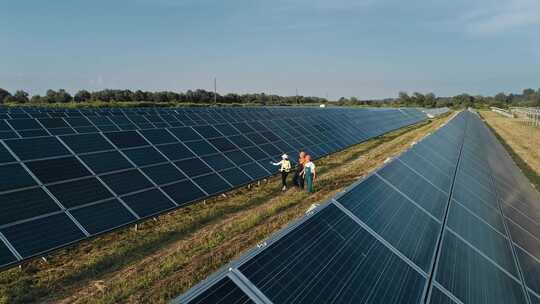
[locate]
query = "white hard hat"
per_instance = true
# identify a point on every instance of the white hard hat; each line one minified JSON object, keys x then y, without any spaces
{"x":284,"y":156}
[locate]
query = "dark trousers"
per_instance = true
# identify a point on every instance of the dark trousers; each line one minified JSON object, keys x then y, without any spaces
{"x":284,"y":178}
{"x":298,"y":181}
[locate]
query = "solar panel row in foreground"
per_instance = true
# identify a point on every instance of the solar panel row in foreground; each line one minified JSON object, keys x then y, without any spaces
{"x":67,"y":178}
{"x":451,"y":220}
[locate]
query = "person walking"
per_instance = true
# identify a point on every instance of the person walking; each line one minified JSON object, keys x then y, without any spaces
{"x":309,"y":173}
{"x":298,"y":180}
{"x":285,"y":168}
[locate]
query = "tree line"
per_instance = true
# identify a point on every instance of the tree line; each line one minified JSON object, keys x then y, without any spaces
{"x":528,"y":98}
{"x":196,"y":96}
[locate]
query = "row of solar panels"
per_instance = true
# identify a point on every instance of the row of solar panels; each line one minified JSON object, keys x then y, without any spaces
{"x":44,"y":112}
{"x":451,"y":220}
{"x":79,"y":122}
{"x":436,"y":111}
{"x":57,"y":190}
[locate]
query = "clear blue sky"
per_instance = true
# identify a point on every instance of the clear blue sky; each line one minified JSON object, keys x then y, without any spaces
{"x":364,"y":48}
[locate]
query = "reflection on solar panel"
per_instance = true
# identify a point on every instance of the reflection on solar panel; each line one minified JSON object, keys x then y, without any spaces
{"x":451,"y":220}
{"x":67,"y":174}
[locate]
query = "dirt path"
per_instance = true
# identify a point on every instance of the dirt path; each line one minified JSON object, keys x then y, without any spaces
{"x":167,"y":256}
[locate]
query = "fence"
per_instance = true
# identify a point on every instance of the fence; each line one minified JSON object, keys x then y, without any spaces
{"x":529,"y":116}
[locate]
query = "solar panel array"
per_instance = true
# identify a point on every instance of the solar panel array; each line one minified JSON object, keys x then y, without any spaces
{"x":66,"y":175}
{"x":451,"y":220}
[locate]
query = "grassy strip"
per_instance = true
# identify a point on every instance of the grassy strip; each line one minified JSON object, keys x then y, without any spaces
{"x":167,"y":256}
{"x":528,"y":171}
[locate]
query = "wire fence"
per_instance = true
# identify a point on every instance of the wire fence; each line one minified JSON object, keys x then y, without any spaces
{"x":529,"y":116}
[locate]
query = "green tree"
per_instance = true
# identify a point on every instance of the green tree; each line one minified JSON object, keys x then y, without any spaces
{"x":430,"y":100}
{"x":82,"y":96}
{"x":3,"y":95}
{"x":21,"y":96}
{"x":36,"y":99}
{"x":404,"y":98}
{"x":62,"y":96}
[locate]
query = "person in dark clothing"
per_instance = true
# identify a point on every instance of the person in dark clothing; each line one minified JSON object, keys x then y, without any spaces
{"x":298,"y":179}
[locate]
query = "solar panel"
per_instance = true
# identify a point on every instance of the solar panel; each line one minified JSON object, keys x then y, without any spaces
{"x":442,"y":223}
{"x":94,"y":170}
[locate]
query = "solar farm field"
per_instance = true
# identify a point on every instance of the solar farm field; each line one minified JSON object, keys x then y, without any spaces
{"x":69,"y":175}
{"x":451,"y":220}
{"x":101,"y":263}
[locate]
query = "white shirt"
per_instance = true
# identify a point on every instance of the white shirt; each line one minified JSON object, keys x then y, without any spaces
{"x":310,"y":165}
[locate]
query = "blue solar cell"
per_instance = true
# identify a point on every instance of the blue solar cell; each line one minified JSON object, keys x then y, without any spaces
{"x":212,"y":183}
{"x":207,"y":131}
{"x":185,"y":133}
{"x":331,"y":247}
{"x":175,"y":151}
{"x":50,"y":123}
{"x":43,"y":234}
{"x":14,"y":176}
{"x":223,"y":291}
{"x":126,"y":139}
{"x":106,"y":162}
{"x":184,"y":192}
{"x":25,"y":204}
{"x":164,"y":174}
{"x":144,"y":156}
{"x":438,"y":297}
{"x":222,"y":144}
{"x":36,"y":148}
{"x":218,"y":162}
{"x":84,"y":143}
{"x":24,"y":124}
{"x":238,"y":157}
{"x":396,"y":219}
{"x":243,"y":127}
{"x":235,"y":177}
{"x":486,"y":239}
{"x":126,"y":182}
{"x":6,"y":257}
{"x":5,"y":156}
{"x":158,"y":136}
{"x":256,"y":138}
{"x":33,"y":133}
{"x":193,"y":167}
{"x":201,"y":147}
{"x":241,"y":141}
{"x":80,"y":192}
{"x":254,"y":170}
{"x":103,"y":216}
{"x":416,"y":188}
{"x":78,"y":121}
{"x":226,"y":129}
{"x":8,"y":135}
{"x":531,"y":269}
{"x":54,"y":170}
{"x":472,"y":278}
{"x":148,"y":203}
{"x":256,"y":153}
